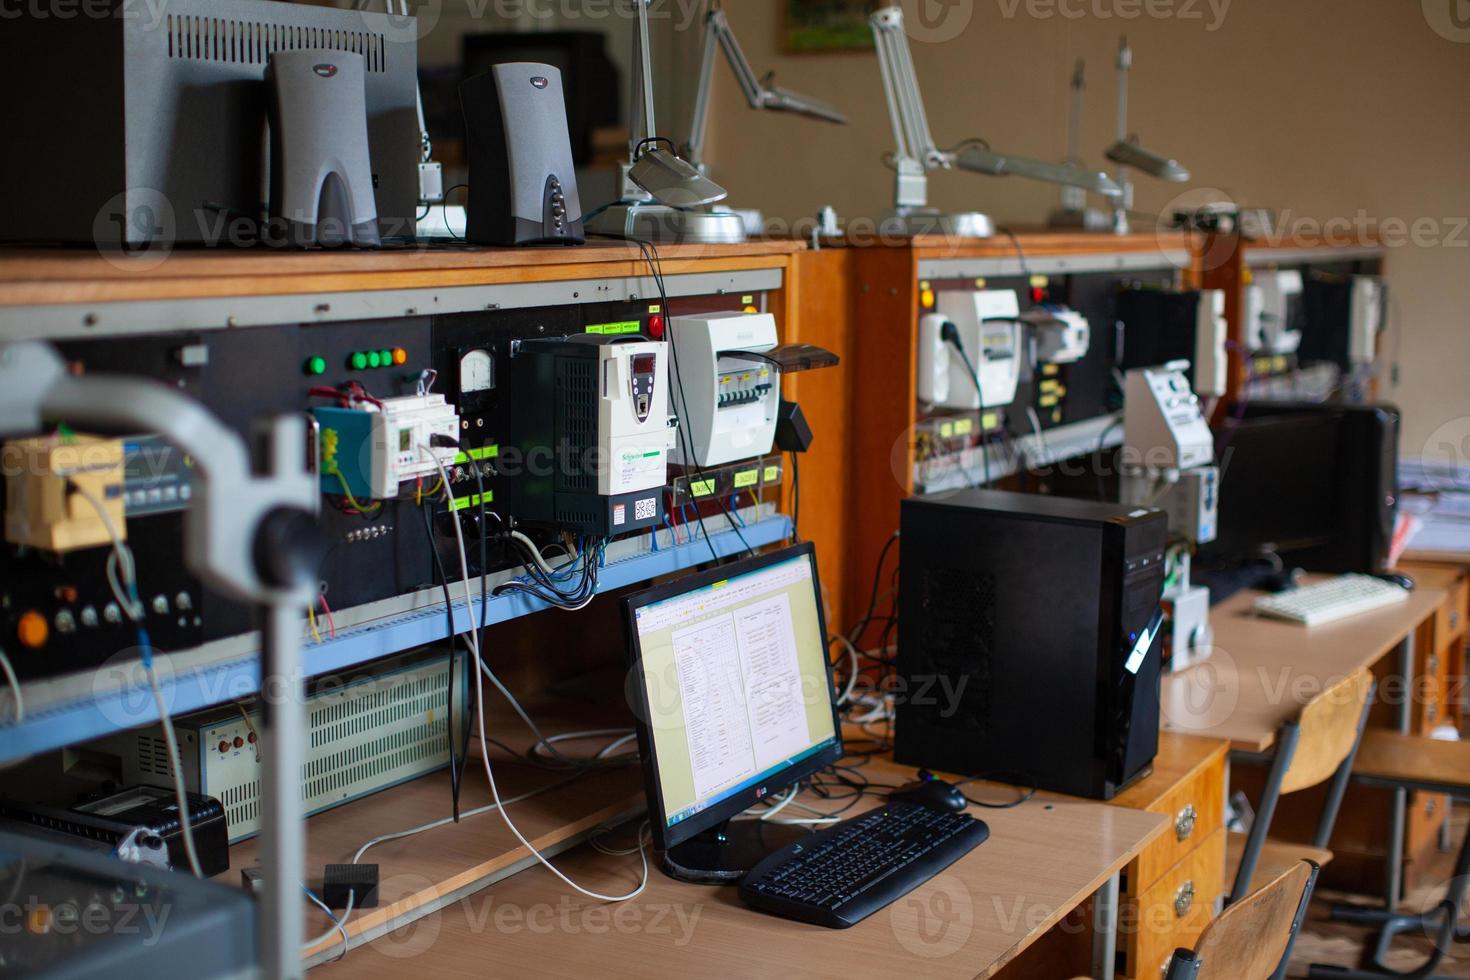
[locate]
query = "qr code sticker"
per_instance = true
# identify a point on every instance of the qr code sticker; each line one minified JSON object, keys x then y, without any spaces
{"x":645,"y":510}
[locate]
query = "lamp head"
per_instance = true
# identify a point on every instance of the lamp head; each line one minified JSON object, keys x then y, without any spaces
{"x":1133,"y":155}
{"x":986,"y":161}
{"x":671,"y":180}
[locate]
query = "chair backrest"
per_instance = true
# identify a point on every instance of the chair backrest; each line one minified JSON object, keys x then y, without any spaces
{"x":1329,"y":730}
{"x":1250,"y":938}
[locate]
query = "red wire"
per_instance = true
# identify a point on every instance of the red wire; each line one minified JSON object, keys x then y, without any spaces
{"x":331,"y":623}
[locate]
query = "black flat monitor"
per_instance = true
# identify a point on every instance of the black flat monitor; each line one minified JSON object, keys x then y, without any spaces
{"x":1313,"y":483}
{"x":732,"y":690}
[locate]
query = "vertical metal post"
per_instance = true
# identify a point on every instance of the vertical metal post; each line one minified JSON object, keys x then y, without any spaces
{"x":1399,"y":808}
{"x":282,"y":833}
{"x":1105,"y":929}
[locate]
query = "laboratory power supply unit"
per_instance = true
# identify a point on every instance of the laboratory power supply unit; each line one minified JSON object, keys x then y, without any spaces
{"x":367,"y":730}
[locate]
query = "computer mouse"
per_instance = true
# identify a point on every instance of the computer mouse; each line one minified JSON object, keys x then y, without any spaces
{"x":1282,"y":581}
{"x":1397,"y":578}
{"x":933,"y":793}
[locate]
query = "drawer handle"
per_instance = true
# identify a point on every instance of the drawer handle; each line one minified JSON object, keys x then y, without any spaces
{"x":1184,"y":822}
{"x":1433,"y":663}
{"x":1184,"y":899}
{"x":1454,"y":619}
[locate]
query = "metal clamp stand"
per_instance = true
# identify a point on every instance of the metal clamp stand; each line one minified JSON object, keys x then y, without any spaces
{"x":250,"y":535}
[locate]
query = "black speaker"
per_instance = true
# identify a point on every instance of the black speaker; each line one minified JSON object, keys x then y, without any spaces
{"x":523,"y":188}
{"x":321,"y":172}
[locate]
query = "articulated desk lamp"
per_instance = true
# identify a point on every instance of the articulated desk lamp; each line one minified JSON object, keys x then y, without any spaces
{"x":1074,"y":212}
{"x":659,"y":188}
{"x":684,"y":212}
{"x":253,"y":537}
{"x":759,"y":93}
{"x":916,"y":152}
{"x":1126,"y":152}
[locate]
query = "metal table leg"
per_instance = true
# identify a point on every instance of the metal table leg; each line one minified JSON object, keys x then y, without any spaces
{"x":1394,"y":870}
{"x":1105,"y":929}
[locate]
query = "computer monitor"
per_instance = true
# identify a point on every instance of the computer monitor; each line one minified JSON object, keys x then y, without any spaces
{"x":732,"y":690}
{"x":1315,"y":483}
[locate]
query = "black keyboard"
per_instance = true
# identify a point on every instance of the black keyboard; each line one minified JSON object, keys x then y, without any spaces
{"x":842,"y":874}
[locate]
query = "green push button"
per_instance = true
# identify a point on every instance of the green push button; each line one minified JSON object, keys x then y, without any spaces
{"x":374,"y":359}
{"x":316,"y":365}
{"x":357,"y":361}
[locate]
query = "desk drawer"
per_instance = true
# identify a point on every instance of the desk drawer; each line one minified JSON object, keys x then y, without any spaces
{"x":1174,"y":911}
{"x":1450,"y":620}
{"x":1196,"y":809}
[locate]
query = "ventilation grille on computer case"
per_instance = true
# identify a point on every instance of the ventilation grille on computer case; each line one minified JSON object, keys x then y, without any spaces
{"x":245,"y":42}
{"x":576,"y":416}
{"x":957,"y":640}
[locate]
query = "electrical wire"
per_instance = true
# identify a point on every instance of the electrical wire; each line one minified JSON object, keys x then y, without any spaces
{"x":10,"y":678}
{"x":121,"y":566}
{"x":339,"y":926}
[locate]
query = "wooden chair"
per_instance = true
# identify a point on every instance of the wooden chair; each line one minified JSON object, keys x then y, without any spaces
{"x":1390,"y":760}
{"x":1252,"y":937}
{"x":1319,"y":745}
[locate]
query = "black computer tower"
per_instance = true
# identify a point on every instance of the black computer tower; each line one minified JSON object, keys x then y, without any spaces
{"x":1027,"y":639}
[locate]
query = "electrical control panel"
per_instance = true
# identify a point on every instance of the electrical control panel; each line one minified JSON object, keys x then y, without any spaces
{"x":990,"y":332}
{"x":591,"y":432}
{"x":370,"y":450}
{"x":439,"y":377}
{"x":726,"y":395}
{"x":54,"y":487}
{"x":1274,"y":307}
{"x":1059,"y":335}
{"x":1163,"y":428}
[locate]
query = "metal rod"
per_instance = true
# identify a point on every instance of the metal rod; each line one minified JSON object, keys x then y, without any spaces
{"x":1270,"y":795}
{"x":1105,"y":929}
{"x":282,"y":834}
{"x":1399,"y":808}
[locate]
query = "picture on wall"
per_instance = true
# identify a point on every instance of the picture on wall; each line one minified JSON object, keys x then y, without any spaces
{"x":826,"y":25}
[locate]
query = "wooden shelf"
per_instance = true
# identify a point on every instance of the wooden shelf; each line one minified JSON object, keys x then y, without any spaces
{"x":422,"y":873}
{"x":34,"y":276}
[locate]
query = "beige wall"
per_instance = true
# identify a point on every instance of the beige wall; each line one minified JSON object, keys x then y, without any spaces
{"x":1319,"y":108}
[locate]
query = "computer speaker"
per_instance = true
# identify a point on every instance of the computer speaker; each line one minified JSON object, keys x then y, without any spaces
{"x":321,"y":173}
{"x":523,"y":188}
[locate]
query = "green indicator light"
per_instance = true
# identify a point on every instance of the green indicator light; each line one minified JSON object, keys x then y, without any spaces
{"x":374,"y":359}
{"x":316,"y":365}
{"x":386,"y":357}
{"x":357,"y":361}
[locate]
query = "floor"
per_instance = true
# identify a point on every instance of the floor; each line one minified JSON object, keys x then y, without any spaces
{"x":1322,"y":941}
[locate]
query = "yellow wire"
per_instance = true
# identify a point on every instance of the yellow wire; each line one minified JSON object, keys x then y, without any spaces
{"x":347,"y":492}
{"x":311,"y":620}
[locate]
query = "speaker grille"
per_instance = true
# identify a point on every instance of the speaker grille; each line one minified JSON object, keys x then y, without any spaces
{"x":245,"y":42}
{"x":952,"y":684}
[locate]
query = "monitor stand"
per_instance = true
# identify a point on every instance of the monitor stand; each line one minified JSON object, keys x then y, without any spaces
{"x":722,"y":854}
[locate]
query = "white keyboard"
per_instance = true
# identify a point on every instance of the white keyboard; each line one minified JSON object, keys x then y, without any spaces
{"x":1323,"y":602}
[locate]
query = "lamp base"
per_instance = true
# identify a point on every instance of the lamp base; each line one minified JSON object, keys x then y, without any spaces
{"x":1082,"y":219}
{"x":931,"y":221}
{"x":667,"y":226}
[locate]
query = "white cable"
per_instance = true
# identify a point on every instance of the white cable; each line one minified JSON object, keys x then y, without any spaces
{"x":852,"y":659}
{"x":10,"y":678}
{"x":473,"y":635}
{"x":541,"y":561}
{"x":464,"y":567}
{"x":125,"y":597}
{"x":442,"y":821}
{"x":338,"y":925}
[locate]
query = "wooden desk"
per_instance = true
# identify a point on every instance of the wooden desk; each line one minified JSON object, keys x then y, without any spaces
{"x":1043,"y":859}
{"x":1263,"y":670}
